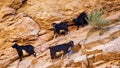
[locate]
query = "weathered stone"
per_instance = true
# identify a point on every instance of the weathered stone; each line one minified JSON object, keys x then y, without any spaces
{"x":11,"y":3}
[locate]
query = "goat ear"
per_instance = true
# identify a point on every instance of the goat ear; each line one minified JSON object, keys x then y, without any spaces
{"x":53,"y":24}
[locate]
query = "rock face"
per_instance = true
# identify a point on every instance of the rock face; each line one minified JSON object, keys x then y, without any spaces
{"x":45,"y":12}
{"x":29,"y":22}
{"x":11,"y":3}
{"x":17,"y":26}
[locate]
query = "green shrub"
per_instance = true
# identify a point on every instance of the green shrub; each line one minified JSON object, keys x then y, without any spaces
{"x":96,"y":20}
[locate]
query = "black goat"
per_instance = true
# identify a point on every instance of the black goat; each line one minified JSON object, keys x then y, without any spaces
{"x":61,"y":28}
{"x":28,"y":48}
{"x":81,"y":20}
{"x":62,"y":47}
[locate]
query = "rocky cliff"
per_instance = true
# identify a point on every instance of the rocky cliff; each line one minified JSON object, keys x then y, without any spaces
{"x":29,"y":22}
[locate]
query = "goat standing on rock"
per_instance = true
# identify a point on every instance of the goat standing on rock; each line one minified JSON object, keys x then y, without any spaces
{"x":81,"y":20}
{"x":61,"y":28}
{"x":28,"y":48}
{"x":62,"y":47}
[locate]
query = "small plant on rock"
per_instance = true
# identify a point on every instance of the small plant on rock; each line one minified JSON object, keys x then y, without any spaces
{"x":96,"y":20}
